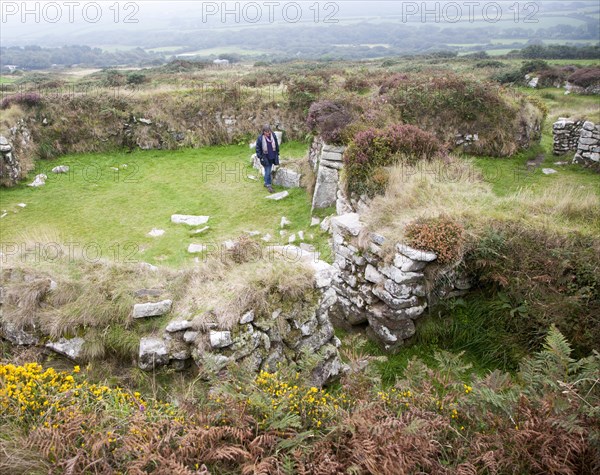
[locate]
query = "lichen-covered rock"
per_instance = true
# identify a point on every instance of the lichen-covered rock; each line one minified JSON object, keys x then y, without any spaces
{"x":220,"y":339}
{"x":153,"y":353}
{"x":70,"y":348}
{"x":19,"y":336}
{"x":178,"y":325}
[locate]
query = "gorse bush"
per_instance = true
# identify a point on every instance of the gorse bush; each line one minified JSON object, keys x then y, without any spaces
{"x":490,"y":63}
{"x":438,"y":416}
{"x":509,"y":77}
{"x":447,"y":97}
{"x":534,"y":66}
{"x":302,"y":91}
{"x":442,"y":235}
{"x":373,"y":149}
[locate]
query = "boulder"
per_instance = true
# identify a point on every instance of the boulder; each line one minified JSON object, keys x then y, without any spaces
{"x":196,"y":248}
{"x":178,"y":325}
{"x":5,"y":145}
{"x":40,"y":180}
{"x":286,"y":178}
{"x":348,"y":223}
{"x":61,"y":169}
{"x":220,"y":339}
{"x":415,"y":254}
{"x":18,"y":336}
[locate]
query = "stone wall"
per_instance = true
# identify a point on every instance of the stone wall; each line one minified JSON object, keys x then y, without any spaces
{"x":257,"y":340}
{"x":13,"y":147}
{"x":588,"y":146}
{"x":10,"y":168}
{"x":566,"y":134}
{"x":581,"y":137}
{"x":385,"y":296}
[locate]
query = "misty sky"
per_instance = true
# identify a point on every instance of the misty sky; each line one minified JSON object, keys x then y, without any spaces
{"x":55,"y":23}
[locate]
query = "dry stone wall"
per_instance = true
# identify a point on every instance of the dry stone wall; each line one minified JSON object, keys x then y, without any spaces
{"x":385,"y":296}
{"x":256,"y":340}
{"x":581,"y":137}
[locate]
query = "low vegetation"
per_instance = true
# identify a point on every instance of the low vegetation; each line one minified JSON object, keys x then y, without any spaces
{"x":438,"y":416}
{"x":501,"y":381}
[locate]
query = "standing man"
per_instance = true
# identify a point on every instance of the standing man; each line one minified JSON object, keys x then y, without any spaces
{"x":267,"y":151}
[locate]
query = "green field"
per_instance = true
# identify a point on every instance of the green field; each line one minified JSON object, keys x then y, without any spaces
{"x":113,"y":211}
{"x":7,"y":79}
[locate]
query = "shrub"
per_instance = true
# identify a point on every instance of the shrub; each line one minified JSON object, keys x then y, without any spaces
{"x":374,"y":148}
{"x":29,"y":99}
{"x":442,"y":235}
{"x":449,"y":103}
{"x":509,"y":77}
{"x":392,"y":82}
{"x":303,"y":91}
{"x":553,"y":76}
{"x":490,"y":63}
{"x":550,"y":279}
{"x":328,"y":119}
{"x":356,"y":83}
{"x":536,"y":65}
{"x":585,"y":77}
{"x":136,"y":78}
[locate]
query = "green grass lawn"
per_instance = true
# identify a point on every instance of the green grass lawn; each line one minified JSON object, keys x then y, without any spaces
{"x":112,"y":211}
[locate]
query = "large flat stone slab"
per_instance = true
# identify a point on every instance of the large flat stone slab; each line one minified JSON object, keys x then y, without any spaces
{"x":326,"y":188}
{"x":190,"y":220}
{"x":151,"y":309}
{"x":278,"y":196}
{"x":347,"y":223}
{"x":71,"y":348}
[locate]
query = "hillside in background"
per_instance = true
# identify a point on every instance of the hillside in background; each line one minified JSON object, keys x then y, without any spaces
{"x":334,"y":30}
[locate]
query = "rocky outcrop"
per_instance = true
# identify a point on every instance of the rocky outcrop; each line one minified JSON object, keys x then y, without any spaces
{"x":384,"y":295}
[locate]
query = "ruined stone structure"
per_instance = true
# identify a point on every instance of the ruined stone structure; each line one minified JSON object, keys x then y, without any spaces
{"x":579,"y":136}
{"x":385,"y":295}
